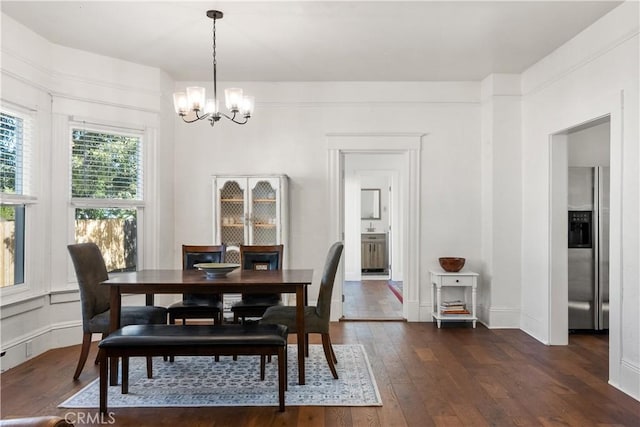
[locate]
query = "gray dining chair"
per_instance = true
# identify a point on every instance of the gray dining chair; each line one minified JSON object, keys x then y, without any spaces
{"x":91,"y":271}
{"x":316,"y":319}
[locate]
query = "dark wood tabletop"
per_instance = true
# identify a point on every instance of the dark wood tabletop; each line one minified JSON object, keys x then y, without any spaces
{"x":195,"y":281}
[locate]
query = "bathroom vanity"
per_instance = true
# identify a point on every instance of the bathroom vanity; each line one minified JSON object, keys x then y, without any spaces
{"x":374,"y":253}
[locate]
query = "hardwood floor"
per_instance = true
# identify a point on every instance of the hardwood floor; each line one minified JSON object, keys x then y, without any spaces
{"x":370,"y":300}
{"x":454,"y":376}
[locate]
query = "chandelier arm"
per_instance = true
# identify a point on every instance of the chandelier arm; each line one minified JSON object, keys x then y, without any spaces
{"x":233,"y":119}
{"x":198,"y":117}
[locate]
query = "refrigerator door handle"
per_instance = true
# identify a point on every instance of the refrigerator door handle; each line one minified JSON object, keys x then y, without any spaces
{"x":597,"y":293}
{"x":602,"y":250}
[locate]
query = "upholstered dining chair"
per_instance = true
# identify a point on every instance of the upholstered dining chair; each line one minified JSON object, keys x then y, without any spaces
{"x":91,"y":271}
{"x":316,"y":319}
{"x":198,"y":306}
{"x":257,"y":257}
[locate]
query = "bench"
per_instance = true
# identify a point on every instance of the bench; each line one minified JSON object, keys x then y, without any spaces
{"x":192,"y":340}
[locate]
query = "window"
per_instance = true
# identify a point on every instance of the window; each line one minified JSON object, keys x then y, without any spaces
{"x":106,"y":192}
{"x":15,"y":161}
{"x":12,"y":239}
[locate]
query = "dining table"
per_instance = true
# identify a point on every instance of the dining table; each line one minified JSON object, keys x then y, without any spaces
{"x":160,"y":281}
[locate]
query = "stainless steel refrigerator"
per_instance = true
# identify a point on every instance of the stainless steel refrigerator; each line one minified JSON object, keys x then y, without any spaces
{"x":588,"y":241}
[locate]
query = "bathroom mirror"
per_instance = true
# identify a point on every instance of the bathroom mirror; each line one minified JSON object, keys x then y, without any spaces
{"x":370,"y":203}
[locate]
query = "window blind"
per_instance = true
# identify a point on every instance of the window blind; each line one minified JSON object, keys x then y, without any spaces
{"x":106,"y":165}
{"x":15,"y":152}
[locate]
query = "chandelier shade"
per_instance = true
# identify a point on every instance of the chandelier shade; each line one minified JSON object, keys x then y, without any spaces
{"x":193,"y":105}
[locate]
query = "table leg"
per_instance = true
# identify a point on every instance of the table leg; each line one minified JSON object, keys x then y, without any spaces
{"x":438,"y":302}
{"x":115,"y":305}
{"x":473,"y":306}
{"x":306,"y":336}
{"x":300,"y":299}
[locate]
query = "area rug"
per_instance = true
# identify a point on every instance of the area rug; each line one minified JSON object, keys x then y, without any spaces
{"x":396,"y":289}
{"x":200,"y":381}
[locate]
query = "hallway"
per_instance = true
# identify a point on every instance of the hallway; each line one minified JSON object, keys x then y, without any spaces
{"x":371,"y":300}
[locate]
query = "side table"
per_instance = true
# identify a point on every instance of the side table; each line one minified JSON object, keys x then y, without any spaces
{"x":442,"y":282}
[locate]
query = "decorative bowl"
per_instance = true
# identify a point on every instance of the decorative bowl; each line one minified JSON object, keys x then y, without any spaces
{"x":215,"y":270}
{"x":451,"y":264}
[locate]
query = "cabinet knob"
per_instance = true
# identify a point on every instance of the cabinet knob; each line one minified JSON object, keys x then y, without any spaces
{"x":457,"y":280}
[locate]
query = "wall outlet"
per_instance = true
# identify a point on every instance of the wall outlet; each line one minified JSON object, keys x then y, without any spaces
{"x":28,"y":348}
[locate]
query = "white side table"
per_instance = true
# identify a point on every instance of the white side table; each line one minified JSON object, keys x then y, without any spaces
{"x":442,"y":282}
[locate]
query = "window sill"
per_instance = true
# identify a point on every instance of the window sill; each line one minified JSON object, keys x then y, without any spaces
{"x":21,"y":304}
{"x":16,"y":293}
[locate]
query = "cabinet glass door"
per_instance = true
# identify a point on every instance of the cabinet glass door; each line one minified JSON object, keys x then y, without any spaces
{"x":264,"y":214}
{"x":232,"y":219}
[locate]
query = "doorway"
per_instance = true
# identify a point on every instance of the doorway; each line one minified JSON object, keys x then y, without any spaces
{"x":371,"y":214}
{"x":588,"y":144}
{"x":588,"y":189}
{"x":407,"y":148}
{"x":583,"y":152}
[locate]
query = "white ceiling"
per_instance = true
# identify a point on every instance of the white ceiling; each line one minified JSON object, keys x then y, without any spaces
{"x":317,"y":41}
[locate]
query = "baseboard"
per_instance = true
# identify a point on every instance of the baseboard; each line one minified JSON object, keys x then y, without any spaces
{"x":423,"y":313}
{"x":27,"y":347}
{"x":502,"y":318}
{"x":534,"y":327}
{"x":629,"y":379}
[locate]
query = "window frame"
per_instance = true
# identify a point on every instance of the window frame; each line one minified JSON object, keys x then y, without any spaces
{"x":101,"y":203}
{"x":26,"y":198}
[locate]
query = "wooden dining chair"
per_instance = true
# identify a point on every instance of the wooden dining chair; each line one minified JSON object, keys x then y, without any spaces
{"x":199,"y":306}
{"x":257,"y":257}
{"x":316,"y":319}
{"x":91,"y":271}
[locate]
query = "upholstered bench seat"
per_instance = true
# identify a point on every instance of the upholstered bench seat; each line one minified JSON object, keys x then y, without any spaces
{"x":196,"y":335}
{"x":193,"y":340}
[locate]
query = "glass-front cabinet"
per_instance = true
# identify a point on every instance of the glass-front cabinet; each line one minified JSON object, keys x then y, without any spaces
{"x":250,"y":210}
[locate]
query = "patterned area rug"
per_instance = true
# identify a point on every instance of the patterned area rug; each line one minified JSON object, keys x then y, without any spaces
{"x":199,"y":381}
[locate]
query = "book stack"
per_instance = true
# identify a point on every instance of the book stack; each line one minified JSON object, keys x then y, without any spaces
{"x":453,"y":307}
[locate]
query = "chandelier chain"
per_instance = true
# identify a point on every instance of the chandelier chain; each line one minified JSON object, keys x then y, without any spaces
{"x":215,"y":63}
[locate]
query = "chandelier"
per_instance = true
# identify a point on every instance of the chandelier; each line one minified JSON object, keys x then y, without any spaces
{"x":193,"y":106}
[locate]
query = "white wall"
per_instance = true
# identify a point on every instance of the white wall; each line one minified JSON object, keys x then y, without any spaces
{"x":590,"y":146}
{"x":499,"y":284}
{"x":59,"y":85}
{"x":593,"y":75}
{"x":288,"y":135}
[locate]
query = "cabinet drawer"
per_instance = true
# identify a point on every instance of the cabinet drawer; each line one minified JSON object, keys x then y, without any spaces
{"x":457,"y":281}
{"x":373,"y":237}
